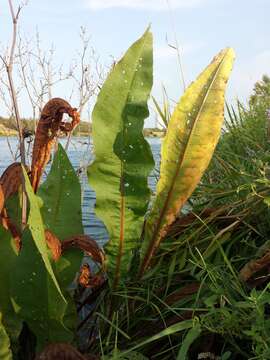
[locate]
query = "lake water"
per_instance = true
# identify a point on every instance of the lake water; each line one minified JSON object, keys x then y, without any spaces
{"x":80,"y":153}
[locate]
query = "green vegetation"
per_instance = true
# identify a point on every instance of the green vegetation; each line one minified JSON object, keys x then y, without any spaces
{"x":8,"y":128}
{"x":261,"y":94}
{"x":186,"y":272}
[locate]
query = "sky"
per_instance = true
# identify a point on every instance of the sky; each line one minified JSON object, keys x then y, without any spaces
{"x":201,"y":28}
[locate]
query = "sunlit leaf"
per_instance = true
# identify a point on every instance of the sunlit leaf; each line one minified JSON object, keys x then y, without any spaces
{"x":192,"y":135}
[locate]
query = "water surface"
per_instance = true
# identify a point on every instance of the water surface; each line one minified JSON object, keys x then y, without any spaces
{"x":80,"y":153}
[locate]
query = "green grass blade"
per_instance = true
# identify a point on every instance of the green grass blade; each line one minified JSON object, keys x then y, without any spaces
{"x":183,"y":325}
{"x":190,"y":337}
{"x":161,"y":113}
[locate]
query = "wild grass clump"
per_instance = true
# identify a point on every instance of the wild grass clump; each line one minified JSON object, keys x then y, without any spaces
{"x":228,"y":228}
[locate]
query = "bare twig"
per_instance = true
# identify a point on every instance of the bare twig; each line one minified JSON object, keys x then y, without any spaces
{"x":87,"y":74}
{"x":8,"y":62}
{"x":9,"y":67}
{"x":177,"y":48}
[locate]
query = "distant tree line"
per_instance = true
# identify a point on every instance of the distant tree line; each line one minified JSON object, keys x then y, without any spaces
{"x":29,"y":125}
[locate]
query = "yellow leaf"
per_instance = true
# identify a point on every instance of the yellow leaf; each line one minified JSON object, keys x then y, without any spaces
{"x":192,"y":135}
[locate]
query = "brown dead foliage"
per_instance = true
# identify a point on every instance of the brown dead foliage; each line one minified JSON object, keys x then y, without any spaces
{"x":89,"y":280}
{"x":48,"y":129}
{"x":222,"y":215}
{"x":182,"y":293}
{"x":9,"y":225}
{"x":10,"y":182}
{"x":85,"y":276}
{"x":62,"y":351}
{"x":54,"y":244}
{"x":49,"y":126}
{"x":87,"y":244}
{"x":254,"y":266}
{"x":82,"y":242}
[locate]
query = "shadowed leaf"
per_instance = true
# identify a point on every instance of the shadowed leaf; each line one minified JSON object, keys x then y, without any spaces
{"x":36,"y":299}
{"x":123,"y":159}
{"x":61,"y":211}
{"x":36,"y":227}
{"x":5,"y":352}
{"x":8,"y":257}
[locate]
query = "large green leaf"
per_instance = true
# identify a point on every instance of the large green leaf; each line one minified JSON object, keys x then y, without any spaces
{"x":36,"y":299}
{"x":123,"y":159}
{"x":48,"y":316}
{"x":61,"y":195}
{"x":8,"y":256}
{"x":5,"y":352}
{"x":187,"y":149}
{"x":61,"y":211}
{"x":36,"y":227}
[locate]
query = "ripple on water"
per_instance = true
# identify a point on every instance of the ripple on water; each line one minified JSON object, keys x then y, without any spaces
{"x":80,"y":154}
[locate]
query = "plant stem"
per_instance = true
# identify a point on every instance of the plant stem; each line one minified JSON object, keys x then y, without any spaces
{"x":9,"y":68}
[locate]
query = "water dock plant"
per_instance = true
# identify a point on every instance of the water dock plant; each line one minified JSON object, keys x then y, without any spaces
{"x":168,"y":284}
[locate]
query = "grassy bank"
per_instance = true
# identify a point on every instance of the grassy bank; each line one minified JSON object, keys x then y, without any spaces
{"x":8,"y":127}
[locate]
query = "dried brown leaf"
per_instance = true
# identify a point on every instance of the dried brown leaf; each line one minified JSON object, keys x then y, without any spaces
{"x":254,"y":266}
{"x":54,"y":244}
{"x":10,"y":182}
{"x":49,"y":126}
{"x":85,"y":276}
{"x":89,"y":280}
{"x":8,"y":224}
{"x":182,"y":293}
{"x":60,"y":351}
{"x":87,"y":244}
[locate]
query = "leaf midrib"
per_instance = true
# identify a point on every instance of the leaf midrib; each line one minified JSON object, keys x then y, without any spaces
{"x":153,"y":243}
{"x":122,"y":198}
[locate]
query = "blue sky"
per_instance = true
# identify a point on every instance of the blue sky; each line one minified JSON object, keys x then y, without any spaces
{"x":203,"y":27}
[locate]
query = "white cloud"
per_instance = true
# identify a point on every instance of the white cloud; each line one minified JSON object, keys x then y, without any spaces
{"x":142,"y":4}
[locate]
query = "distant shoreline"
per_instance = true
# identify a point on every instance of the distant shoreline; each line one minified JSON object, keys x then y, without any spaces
{"x":84,"y":129}
{"x":158,"y":135}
